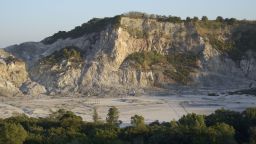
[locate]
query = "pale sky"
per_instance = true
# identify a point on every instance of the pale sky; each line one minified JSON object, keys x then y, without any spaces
{"x":33,"y":20}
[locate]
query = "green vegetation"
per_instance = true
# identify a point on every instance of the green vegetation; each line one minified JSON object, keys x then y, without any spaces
{"x":176,"y":66}
{"x":229,"y":36}
{"x":184,"y":64}
{"x":235,"y":45}
{"x":136,"y":33}
{"x":219,"y":19}
{"x":204,"y":18}
{"x":145,"y":60}
{"x":210,"y":30}
{"x":64,"y":127}
{"x":195,"y":19}
{"x":72,"y":54}
{"x":10,"y":59}
{"x":113,"y":116}
{"x":140,"y":15}
{"x":244,"y":39}
{"x":95,"y":116}
{"x":99,"y":24}
{"x":93,"y":26}
{"x":11,"y":133}
{"x":221,"y":45}
{"x":137,"y":121}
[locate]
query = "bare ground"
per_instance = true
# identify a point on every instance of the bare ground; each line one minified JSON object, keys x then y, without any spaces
{"x":162,"y":108}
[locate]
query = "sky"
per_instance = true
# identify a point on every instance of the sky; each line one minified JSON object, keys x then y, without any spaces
{"x":33,"y":20}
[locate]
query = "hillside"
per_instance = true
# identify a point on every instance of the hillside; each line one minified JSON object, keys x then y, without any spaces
{"x":135,"y":51}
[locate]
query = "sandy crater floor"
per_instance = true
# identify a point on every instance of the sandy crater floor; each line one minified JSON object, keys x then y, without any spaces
{"x":162,"y":108}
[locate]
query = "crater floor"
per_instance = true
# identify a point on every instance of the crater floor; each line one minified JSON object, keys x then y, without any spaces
{"x":162,"y":108}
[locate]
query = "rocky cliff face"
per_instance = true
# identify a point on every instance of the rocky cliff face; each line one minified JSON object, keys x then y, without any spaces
{"x":115,"y":55}
{"x":12,"y":74}
{"x":14,"y":77}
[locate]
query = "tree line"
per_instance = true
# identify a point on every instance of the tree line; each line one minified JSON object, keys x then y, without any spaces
{"x":64,"y":127}
{"x":176,"y":19}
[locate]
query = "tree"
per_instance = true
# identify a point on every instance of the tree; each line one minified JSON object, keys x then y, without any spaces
{"x":204,"y":18}
{"x":222,"y":133}
{"x":174,"y":19}
{"x":192,"y":120}
{"x":137,"y":121}
{"x":230,"y":21}
{"x":139,"y":129}
{"x":195,"y":19}
{"x":188,"y":19}
{"x":250,"y":114}
{"x":95,"y":115}
{"x":71,"y":121}
{"x":11,"y":133}
{"x":253,"y":135}
{"x":113,"y":116}
{"x":224,"y":116}
{"x":219,"y":19}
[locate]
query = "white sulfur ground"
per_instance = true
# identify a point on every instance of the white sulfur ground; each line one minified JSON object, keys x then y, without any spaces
{"x":162,"y":108}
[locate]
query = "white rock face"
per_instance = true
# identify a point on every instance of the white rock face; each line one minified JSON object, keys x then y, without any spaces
{"x":103,"y":68}
{"x":12,"y":74}
{"x":32,"y":88}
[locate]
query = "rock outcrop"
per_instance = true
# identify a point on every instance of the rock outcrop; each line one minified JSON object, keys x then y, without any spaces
{"x":195,"y":54}
{"x":12,"y":74}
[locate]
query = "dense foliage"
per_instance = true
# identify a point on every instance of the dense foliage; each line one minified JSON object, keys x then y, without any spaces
{"x":64,"y":127}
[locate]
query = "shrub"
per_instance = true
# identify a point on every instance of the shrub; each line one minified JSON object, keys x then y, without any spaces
{"x":204,"y":18}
